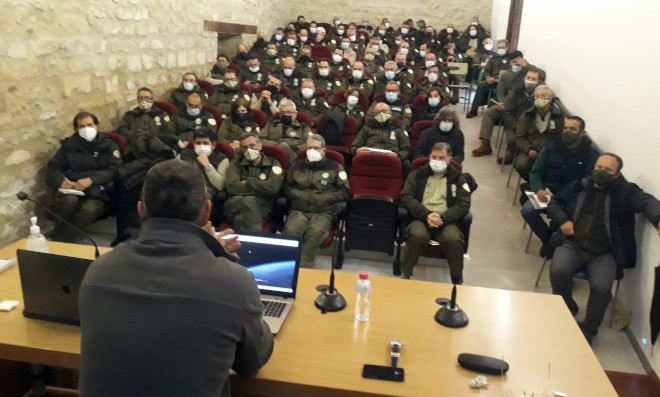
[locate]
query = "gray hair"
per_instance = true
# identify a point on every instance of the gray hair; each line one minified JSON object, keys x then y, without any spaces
{"x":318,"y":138}
{"x":391,"y":63}
{"x":305,"y":47}
{"x":246,"y":135}
{"x":285,"y":103}
{"x":505,"y":41}
{"x":307,"y":80}
{"x":544,"y":87}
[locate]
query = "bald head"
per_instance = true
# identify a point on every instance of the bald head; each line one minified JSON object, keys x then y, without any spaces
{"x":289,"y":63}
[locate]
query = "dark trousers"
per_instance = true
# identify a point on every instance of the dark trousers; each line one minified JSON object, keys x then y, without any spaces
{"x":451,"y":241}
{"x":481,"y":95}
{"x":80,"y":211}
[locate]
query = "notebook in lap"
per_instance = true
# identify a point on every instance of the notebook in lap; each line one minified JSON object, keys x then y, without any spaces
{"x":50,"y":285}
{"x":275,"y":260}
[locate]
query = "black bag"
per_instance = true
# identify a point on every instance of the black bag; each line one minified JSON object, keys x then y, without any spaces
{"x":333,"y":128}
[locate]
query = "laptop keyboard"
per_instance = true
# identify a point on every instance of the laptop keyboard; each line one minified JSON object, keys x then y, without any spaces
{"x":273,"y":309}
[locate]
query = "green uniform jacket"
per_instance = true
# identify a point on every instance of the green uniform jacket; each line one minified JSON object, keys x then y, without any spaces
{"x":517,"y":101}
{"x":400,"y":111}
{"x":231,"y":129}
{"x":274,"y":63}
{"x":179,"y":96}
{"x":366,"y":85}
{"x":373,"y":67}
{"x":528,"y":136}
{"x":388,"y":136}
{"x":295,"y":135}
{"x":185,"y":124}
{"x":330,"y":84}
{"x":314,"y":107}
{"x":458,"y":195}
{"x":405,"y":87}
{"x":316,"y":187}
{"x":306,"y":66}
{"x":342,"y":67}
{"x":262,"y":181}
{"x":223,"y":97}
{"x":261,"y":76}
{"x":423,"y":86}
{"x":138,"y":122}
{"x":290,"y":51}
{"x":357,"y":112}
{"x":292,"y":82}
{"x":494,"y":66}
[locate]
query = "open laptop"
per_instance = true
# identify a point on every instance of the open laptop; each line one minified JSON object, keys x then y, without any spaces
{"x":51,"y":284}
{"x":275,"y":260}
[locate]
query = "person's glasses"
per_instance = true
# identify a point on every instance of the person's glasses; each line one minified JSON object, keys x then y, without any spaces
{"x":288,"y":112}
{"x":385,"y":111}
{"x":145,"y":98}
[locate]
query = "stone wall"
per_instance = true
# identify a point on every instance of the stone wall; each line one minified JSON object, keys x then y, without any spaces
{"x":59,"y":57}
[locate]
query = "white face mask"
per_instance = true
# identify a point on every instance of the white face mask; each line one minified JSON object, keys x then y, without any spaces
{"x":304,"y":38}
{"x":291,"y":42}
{"x":254,"y":69}
{"x":397,"y":42}
{"x":432,"y":77}
{"x":488,"y":47}
{"x":473,"y":33}
{"x":434,"y":102}
{"x":404,"y":30}
{"x":88,"y":133}
{"x":446,"y":127}
{"x":375,"y":47}
{"x":429,"y":64}
{"x":251,"y":154}
{"x":352,"y":38}
{"x":288,"y":72}
{"x":340,"y":32}
{"x":387,"y":25}
{"x":389,"y":74}
{"x":422,"y":54}
{"x":381,"y":32}
{"x":307,"y":93}
{"x":438,"y":166}
{"x":391,"y":96}
{"x":337,"y":58}
{"x":188,"y":86}
{"x":203,"y":149}
{"x":313,"y":155}
{"x":324,"y":72}
{"x":450,"y":30}
{"x":312,"y":31}
{"x":501,"y":52}
{"x":352,"y":100}
{"x":404,"y":51}
{"x":357,"y":74}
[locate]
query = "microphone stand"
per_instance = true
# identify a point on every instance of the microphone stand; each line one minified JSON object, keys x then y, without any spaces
{"x":450,"y":315}
{"x":330,"y":299}
{"x":24,"y":196}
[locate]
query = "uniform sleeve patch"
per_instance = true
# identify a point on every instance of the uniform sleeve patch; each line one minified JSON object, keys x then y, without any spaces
{"x":466,"y":187}
{"x":116,"y":153}
{"x":408,"y":110}
{"x":211,"y":121}
{"x":277,"y":170}
{"x":342,"y":175}
{"x":166,"y":118}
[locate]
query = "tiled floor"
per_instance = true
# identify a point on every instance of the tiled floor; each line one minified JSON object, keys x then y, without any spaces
{"x":497,"y":257}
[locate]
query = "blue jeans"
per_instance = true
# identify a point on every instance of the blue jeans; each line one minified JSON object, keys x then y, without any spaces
{"x":535,"y":222}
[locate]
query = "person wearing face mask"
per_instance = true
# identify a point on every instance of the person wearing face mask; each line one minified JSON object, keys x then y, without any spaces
{"x":491,"y":77}
{"x":259,"y":46}
{"x":278,"y":38}
{"x":324,"y":80}
{"x":303,"y":37}
{"x":254,"y":74}
{"x":404,"y":71}
{"x":188,"y":86}
{"x":560,"y":162}
{"x":272,"y":60}
{"x":315,"y":186}
{"x":419,"y":55}
{"x":446,"y":128}
{"x":253,"y":183}
{"x":336,"y":34}
{"x":227,"y":93}
{"x":287,"y":132}
{"x":372,"y":60}
{"x":322,"y":38}
{"x":351,"y":107}
{"x":292,"y":47}
{"x":484,"y":54}
{"x":433,"y":102}
{"x":382,"y":134}
{"x":305,"y":64}
{"x":192,"y":118}
{"x":338,"y":64}
{"x":310,"y":102}
{"x":348,"y":53}
{"x":596,"y":218}
{"x":87,"y":161}
{"x":221,"y":65}
{"x":536,"y":127}
{"x":313,"y":27}
{"x":422,"y":69}
{"x":448,"y":35}
{"x":145,"y":119}
{"x":433,"y":79}
{"x":359,"y":80}
{"x":390,"y":75}
{"x":241,"y":57}
{"x":268,"y":100}
{"x":399,"y":109}
{"x":407,"y":33}
{"x":289,"y":74}
{"x":480,"y":31}
{"x":239,"y":122}
{"x":356,"y":39}
{"x":437,"y":197}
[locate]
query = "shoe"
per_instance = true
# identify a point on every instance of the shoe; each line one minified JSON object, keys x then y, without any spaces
{"x":484,"y":148}
{"x":588,"y":334}
{"x":508,"y":158}
{"x":471,"y":114}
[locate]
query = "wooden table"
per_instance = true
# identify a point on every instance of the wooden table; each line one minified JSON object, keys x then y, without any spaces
{"x":323,"y":354}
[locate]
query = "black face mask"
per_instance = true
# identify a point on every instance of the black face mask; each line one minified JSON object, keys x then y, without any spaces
{"x":304,"y":58}
{"x":286,"y":119}
{"x":400,"y":65}
{"x":272,"y":89}
{"x":242,"y":56}
{"x":241,"y":117}
{"x":428,"y":34}
{"x":260,"y":40}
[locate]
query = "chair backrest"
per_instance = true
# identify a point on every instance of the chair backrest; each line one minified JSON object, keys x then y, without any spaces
{"x":334,"y":156}
{"x":338,"y":99}
{"x":420,"y":79}
{"x":206,"y":86}
{"x":322,"y":52}
{"x":457,"y":68}
{"x":417,"y":129}
{"x":278,"y":154}
{"x":167,"y":107}
{"x":259,"y":117}
{"x":418,"y":102}
{"x":351,"y":129}
{"x":326,"y":26}
{"x":217,"y":114}
{"x":422,"y":161}
{"x":371,"y":121}
{"x":245,"y":87}
{"x":268,"y":69}
{"x":235,"y":68}
{"x":120,"y":140}
{"x":284,"y":91}
{"x":323,"y":93}
{"x":376,"y":175}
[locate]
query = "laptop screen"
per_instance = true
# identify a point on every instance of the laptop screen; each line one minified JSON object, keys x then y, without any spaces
{"x":273,"y":259}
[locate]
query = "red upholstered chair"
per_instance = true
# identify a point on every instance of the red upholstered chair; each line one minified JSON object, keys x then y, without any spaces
{"x":167,"y":107}
{"x":217,"y":114}
{"x":420,"y":79}
{"x":268,"y":69}
{"x":376,"y":175}
{"x":206,"y":86}
{"x":338,"y":99}
{"x":351,"y":129}
{"x":283,"y":90}
{"x":321,"y":52}
{"x":235,"y":68}
{"x":120,"y":140}
{"x":416,"y":132}
{"x":418,"y":102}
{"x":326,"y":26}
{"x":259,"y":117}
{"x":278,"y":154}
{"x":245,"y":87}
{"x":225,"y":149}
{"x":324,"y":94}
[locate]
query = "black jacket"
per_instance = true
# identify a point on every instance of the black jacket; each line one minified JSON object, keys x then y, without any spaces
{"x":433,"y":135}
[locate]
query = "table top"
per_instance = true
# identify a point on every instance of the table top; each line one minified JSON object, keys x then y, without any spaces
{"x":323,"y":354}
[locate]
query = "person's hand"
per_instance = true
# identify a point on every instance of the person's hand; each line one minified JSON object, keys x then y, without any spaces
{"x":450,"y":59}
{"x":567,"y":228}
{"x":82,"y":184}
{"x":542,"y":196}
{"x":66,"y":184}
{"x":203,"y":160}
{"x":244,"y":181}
{"x":500,"y":106}
{"x":235,"y":145}
{"x":434,"y":220}
{"x":532,"y":154}
{"x":362,"y":150}
{"x":490,"y":80}
{"x":229,"y":244}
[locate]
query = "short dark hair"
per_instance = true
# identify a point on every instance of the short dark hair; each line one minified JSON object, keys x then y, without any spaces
{"x":238,"y":103}
{"x":515,"y":54}
{"x":174,"y":189}
{"x":187,"y":73}
{"x":440,"y":146}
{"x":615,"y":157}
{"x":579,"y":119}
{"x":447,"y":112}
{"x":83,"y":115}
{"x":252,"y":56}
{"x":145,"y":89}
{"x":223,"y":56}
{"x":204,"y":132}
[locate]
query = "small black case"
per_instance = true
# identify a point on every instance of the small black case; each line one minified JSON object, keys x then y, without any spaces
{"x":483,"y":364}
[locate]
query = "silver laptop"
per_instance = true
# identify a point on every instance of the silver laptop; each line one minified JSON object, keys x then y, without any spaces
{"x":274,"y":260}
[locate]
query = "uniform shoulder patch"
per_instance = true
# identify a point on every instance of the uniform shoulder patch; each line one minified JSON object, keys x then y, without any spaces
{"x":370,"y":81}
{"x":116,"y":153}
{"x":338,"y":83}
{"x":326,"y":104}
{"x":408,"y":110}
{"x":247,"y":97}
{"x":212,"y":122}
{"x":166,"y":118}
{"x":466,"y":187}
{"x":276,"y":169}
{"x":257,"y":129}
{"x":342,"y":175}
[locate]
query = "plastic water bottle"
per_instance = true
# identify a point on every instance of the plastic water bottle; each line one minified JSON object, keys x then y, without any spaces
{"x":36,"y":241}
{"x":363,"y":297}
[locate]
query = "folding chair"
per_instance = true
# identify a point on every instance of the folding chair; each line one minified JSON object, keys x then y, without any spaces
{"x":460,"y":69}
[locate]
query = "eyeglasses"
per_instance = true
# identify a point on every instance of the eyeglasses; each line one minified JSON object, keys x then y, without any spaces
{"x":289,"y":112}
{"x":145,"y":98}
{"x":383,"y":111}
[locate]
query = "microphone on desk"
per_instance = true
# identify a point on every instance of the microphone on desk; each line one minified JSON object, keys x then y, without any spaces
{"x":450,"y":315}
{"x":330,"y":299}
{"x":24,"y":196}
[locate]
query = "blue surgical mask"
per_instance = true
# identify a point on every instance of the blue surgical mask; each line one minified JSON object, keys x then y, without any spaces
{"x":345,"y":46}
{"x":391,"y":96}
{"x":422,"y":54}
{"x":516,"y":68}
{"x":446,"y":127}
{"x":389,"y":75}
{"x":434,"y":102}
{"x":193,"y":112}
{"x":429,"y":64}
{"x":278,"y":37}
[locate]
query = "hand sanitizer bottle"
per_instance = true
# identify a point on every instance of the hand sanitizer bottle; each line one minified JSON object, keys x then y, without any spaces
{"x":36,"y":241}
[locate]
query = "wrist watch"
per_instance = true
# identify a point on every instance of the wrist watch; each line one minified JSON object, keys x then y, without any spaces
{"x":207,"y":167}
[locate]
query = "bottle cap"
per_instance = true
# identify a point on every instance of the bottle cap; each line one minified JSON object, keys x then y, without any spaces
{"x":364,"y":275}
{"x":34,"y":229}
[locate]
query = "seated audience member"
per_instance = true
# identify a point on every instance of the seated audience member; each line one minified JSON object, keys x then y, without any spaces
{"x":227,"y":93}
{"x":305,"y":64}
{"x":325,"y":80}
{"x":446,"y":128}
{"x":220,"y":67}
{"x":451,"y":54}
{"x":484,"y":54}
{"x":482,"y":33}
{"x":434,"y":79}
{"x":351,"y":106}
{"x":239,"y":122}
{"x":278,"y":38}
{"x":259,"y":46}
{"x":313,"y":26}
{"x":558,"y":163}
{"x":434,"y":102}
{"x":406,"y":33}
{"x":315,"y":186}
{"x":383,"y":134}
{"x":359,"y":80}
{"x":372,"y":62}
{"x":191,"y":118}
{"x":437,"y":197}
{"x":448,"y":35}
{"x":310,"y":102}
{"x":211,"y":162}
{"x":348,"y":52}
{"x":402,"y":68}
{"x":430,"y":60}
{"x":253,"y":182}
{"x":338,"y":64}
{"x":241,"y":57}
{"x":390,"y":75}
{"x":267,"y":100}
{"x":536,"y":127}
{"x":491,"y":77}
{"x":145,"y":118}
{"x":290,"y":76}
{"x":272,"y":60}
{"x":287,"y":132}
{"x":87,"y":161}
{"x":254,"y":75}
{"x":292,"y":48}
{"x":596,"y":218}
{"x":357,"y":43}
{"x":188,"y":86}
{"x":321,"y":37}
{"x":180,"y":335}
{"x":419,"y":55}
{"x":303,"y":37}
{"x":470,"y":43}
{"x":398,"y":109}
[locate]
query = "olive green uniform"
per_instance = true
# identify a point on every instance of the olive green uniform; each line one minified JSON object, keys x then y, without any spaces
{"x":357,"y":112}
{"x":342,"y":67}
{"x":423,"y":86}
{"x":314,"y":107}
{"x":252,"y":189}
{"x":314,"y":189}
{"x":373,"y":67}
{"x":261,"y":76}
{"x":179,"y":96}
{"x":231,"y":129}
{"x":223,"y":97}
{"x":400,"y":111}
{"x":329,"y":83}
{"x":366,"y":85}
{"x":185,"y":124}
{"x":306,"y":66}
{"x":405,"y":87}
{"x":292,"y":82}
{"x":291,"y":138}
{"x":387,"y":136}
{"x":138,"y":122}
{"x":274,"y":62}
{"x":291,"y":51}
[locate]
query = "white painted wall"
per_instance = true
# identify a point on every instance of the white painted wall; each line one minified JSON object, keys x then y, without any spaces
{"x":601,"y":61}
{"x":500,"y":19}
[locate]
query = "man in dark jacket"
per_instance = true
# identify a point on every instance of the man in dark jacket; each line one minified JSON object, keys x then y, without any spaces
{"x":437,"y":197}
{"x":446,"y":128}
{"x":170,"y":314}
{"x":559,"y":163}
{"x":189,"y":85}
{"x":597,"y":219}
{"x":87,"y":162}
